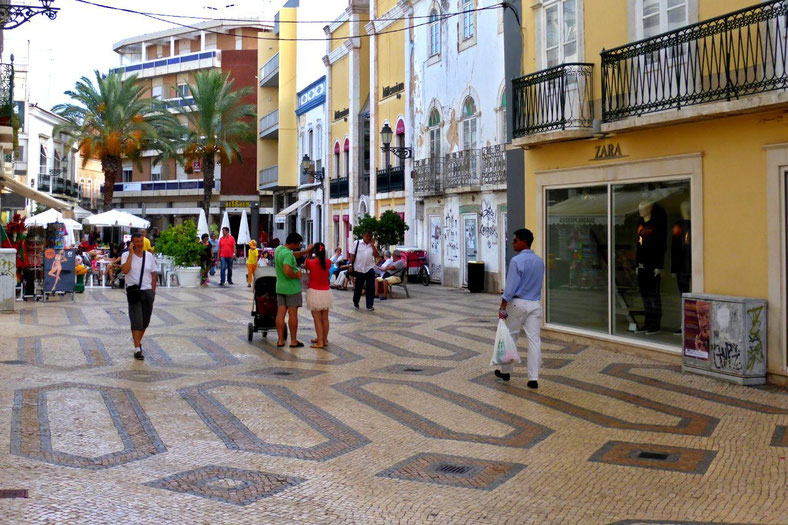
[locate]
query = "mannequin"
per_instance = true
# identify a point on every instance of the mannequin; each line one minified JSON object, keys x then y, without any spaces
{"x":652,"y":237}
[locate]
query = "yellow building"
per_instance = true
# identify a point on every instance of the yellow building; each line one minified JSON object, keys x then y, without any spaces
{"x":90,"y":178}
{"x":347,"y":87}
{"x":655,"y":164}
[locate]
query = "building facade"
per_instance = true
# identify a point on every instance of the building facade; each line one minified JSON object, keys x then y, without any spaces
{"x":311,"y":113}
{"x":165,"y":62}
{"x":457,"y":103}
{"x":656,"y":166}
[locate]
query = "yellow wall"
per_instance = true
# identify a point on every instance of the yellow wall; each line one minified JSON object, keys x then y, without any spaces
{"x":339,"y":99}
{"x":267,"y":101}
{"x":734,"y":188}
{"x":390,"y":66}
{"x":389,"y":204}
{"x":339,"y":36}
{"x":288,"y":124}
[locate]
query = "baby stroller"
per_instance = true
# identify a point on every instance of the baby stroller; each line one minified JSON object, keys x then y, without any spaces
{"x":264,"y":304}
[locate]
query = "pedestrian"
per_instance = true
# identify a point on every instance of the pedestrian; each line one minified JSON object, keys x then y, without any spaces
{"x":140,"y":269}
{"x":362,"y":260}
{"x":521,"y":305}
{"x":146,"y":245}
{"x":206,"y":259}
{"x":226,"y":254}
{"x":251,"y":263}
{"x":318,"y":296}
{"x":215,"y":247}
{"x":288,"y":288}
{"x":389,"y":276}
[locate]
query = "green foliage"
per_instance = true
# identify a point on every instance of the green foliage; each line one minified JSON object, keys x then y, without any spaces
{"x":180,"y":242}
{"x":388,"y":230}
{"x":214,"y":228}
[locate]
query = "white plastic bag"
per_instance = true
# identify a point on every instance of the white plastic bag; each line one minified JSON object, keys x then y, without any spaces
{"x":505,"y":350}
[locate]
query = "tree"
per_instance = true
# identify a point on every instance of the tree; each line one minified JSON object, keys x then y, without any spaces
{"x":217,"y":123}
{"x":388,"y":230}
{"x":111,"y":121}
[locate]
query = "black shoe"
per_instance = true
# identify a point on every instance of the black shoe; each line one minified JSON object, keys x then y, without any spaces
{"x":230,"y":282}
{"x":532,"y":384}
{"x":652,"y":331}
{"x":221,"y":284}
{"x":356,"y":305}
{"x":503,"y":376}
{"x":138,"y":355}
{"x":371,"y":309}
{"x":677,"y":332}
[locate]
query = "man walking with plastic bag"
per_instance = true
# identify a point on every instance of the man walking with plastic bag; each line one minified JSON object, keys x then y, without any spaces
{"x":521,"y":305}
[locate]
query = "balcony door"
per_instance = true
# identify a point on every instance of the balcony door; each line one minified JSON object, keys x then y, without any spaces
{"x":560,"y":44}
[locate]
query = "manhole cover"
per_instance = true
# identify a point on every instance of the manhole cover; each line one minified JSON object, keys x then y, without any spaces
{"x":653,"y":455}
{"x":413,"y":370}
{"x":14,"y":362}
{"x":283,"y":373}
{"x":453,"y":469}
{"x":13,"y":493}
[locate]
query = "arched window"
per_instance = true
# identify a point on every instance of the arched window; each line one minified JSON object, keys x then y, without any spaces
{"x":346,"y":148}
{"x":336,"y":160}
{"x":468,"y":19}
{"x":434,"y":124}
{"x":435,"y":33}
{"x":319,"y":145}
{"x":42,"y":161}
{"x":310,"y":142}
{"x":469,"y":124}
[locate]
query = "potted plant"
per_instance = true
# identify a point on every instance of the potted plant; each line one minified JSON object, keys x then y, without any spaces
{"x":181,"y":244}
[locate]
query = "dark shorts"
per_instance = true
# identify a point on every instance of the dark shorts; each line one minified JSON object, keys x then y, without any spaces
{"x":140,"y":312}
{"x":290,"y":301}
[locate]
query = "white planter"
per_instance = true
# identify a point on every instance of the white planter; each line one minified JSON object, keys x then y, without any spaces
{"x":188,"y":277}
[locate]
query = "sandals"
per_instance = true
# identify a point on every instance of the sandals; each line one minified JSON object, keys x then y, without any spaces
{"x":316,"y":346}
{"x":298,"y":344}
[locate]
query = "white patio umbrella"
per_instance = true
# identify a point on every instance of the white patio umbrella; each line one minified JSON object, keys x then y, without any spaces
{"x":116,"y":218}
{"x":243,"y":232}
{"x":52,"y":215}
{"x":202,"y":225}
{"x":225,"y":221}
{"x":81,"y":213}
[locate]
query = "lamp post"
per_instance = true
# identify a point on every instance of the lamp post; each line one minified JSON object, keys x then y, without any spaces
{"x":386,"y":135}
{"x":306,"y":165}
{"x":13,"y":16}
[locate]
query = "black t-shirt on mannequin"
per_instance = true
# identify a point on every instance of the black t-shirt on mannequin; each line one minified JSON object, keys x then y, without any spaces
{"x":652,"y":239}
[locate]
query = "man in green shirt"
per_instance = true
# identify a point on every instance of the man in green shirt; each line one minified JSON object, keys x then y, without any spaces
{"x":288,"y":288}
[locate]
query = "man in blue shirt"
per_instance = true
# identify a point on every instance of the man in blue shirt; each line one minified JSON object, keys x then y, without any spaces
{"x":521,"y":303}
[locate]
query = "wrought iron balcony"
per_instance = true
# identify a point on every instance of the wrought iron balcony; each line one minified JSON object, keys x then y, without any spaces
{"x":338,"y":188}
{"x":557,"y":98}
{"x":58,"y":186}
{"x":493,"y":165}
{"x":428,"y":177}
{"x":734,"y":55}
{"x":6,"y":94}
{"x":462,"y":170}
{"x":391,"y":179}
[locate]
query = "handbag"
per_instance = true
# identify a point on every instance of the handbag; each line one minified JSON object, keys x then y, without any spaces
{"x":134,"y":292}
{"x":352,"y":268}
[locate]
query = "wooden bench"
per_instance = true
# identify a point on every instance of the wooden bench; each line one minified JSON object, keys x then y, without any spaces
{"x":403,"y":275}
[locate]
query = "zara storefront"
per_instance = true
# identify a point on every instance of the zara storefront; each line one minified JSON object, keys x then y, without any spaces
{"x":629,"y":221}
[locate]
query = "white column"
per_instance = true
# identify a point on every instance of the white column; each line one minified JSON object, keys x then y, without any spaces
{"x":411,"y":235}
{"x":354,"y":128}
{"x":202,"y":40}
{"x":374,"y":126}
{"x":172,"y":46}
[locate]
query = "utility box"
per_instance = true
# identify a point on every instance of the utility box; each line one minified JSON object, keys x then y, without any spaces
{"x":475,"y":276}
{"x":7,"y":279}
{"x":724,"y":337}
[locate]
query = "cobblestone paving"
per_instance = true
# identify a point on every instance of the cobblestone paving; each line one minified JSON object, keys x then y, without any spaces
{"x":399,"y":420}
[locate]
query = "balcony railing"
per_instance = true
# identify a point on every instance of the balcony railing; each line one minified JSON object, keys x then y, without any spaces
{"x":164,"y":185}
{"x":557,"y":98}
{"x":493,"y":165}
{"x":269,"y":73}
{"x":730,"y":56}
{"x":391,"y":179}
{"x":6,"y":93}
{"x":181,"y":62}
{"x":269,"y":178}
{"x":462,"y":169}
{"x":428,"y":176}
{"x":269,"y":124}
{"x":58,"y":186}
{"x":338,"y":188}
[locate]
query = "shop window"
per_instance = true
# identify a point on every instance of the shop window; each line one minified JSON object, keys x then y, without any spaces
{"x":634,"y":289}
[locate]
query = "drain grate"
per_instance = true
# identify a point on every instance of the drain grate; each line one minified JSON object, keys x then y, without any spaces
{"x":13,"y":493}
{"x":413,"y":370}
{"x":659,"y":456}
{"x":14,"y":362}
{"x":449,"y":468}
{"x":282,"y":373}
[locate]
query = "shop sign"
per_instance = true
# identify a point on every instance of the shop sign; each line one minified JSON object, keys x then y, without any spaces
{"x":280,"y":219}
{"x":59,"y":274}
{"x":389,"y":91}
{"x":197,"y":166}
{"x":342,"y":113}
{"x":608,"y":151}
{"x":237,"y":204}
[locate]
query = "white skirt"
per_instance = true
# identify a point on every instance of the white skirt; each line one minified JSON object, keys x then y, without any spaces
{"x":319,"y":299}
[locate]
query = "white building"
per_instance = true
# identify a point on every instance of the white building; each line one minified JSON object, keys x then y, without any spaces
{"x":311,"y":108}
{"x":458,"y":110}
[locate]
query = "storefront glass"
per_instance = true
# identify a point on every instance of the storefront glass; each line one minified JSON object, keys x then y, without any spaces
{"x":577,"y":267}
{"x":651,"y":261}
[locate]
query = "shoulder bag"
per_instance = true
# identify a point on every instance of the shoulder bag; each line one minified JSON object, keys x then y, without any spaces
{"x":134,"y":292}
{"x":352,"y":269}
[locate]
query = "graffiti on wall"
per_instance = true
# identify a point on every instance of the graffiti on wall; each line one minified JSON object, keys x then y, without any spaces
{"x":754,"y":342}
{"x":8,"y":267}
{"x":727,"y":327}
{"x":451,"y":236}
{"x":435,"y":248}
{"x":489,"y":227}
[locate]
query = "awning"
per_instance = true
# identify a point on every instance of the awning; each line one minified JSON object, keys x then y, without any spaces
{"x":38,"y":196}
{"x":297,"y":205}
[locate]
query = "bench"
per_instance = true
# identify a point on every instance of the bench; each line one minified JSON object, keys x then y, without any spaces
{"x":403,"y":275}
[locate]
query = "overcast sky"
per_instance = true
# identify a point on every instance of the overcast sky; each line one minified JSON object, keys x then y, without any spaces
{"x":58,"y":52}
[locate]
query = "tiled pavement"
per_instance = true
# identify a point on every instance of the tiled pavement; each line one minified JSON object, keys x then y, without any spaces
{"x":398,"y":421}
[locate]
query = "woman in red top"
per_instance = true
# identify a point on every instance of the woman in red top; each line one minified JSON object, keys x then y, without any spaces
{"x":318,"y":297}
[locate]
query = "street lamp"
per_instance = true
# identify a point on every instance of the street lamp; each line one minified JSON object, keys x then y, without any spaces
{"x":306,"y":165}
{"x":13,"y":16}
{"x":386,"y":134}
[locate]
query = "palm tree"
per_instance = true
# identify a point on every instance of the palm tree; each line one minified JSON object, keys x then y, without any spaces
{"x":111,"y":121}
{"x":217,"y":123}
